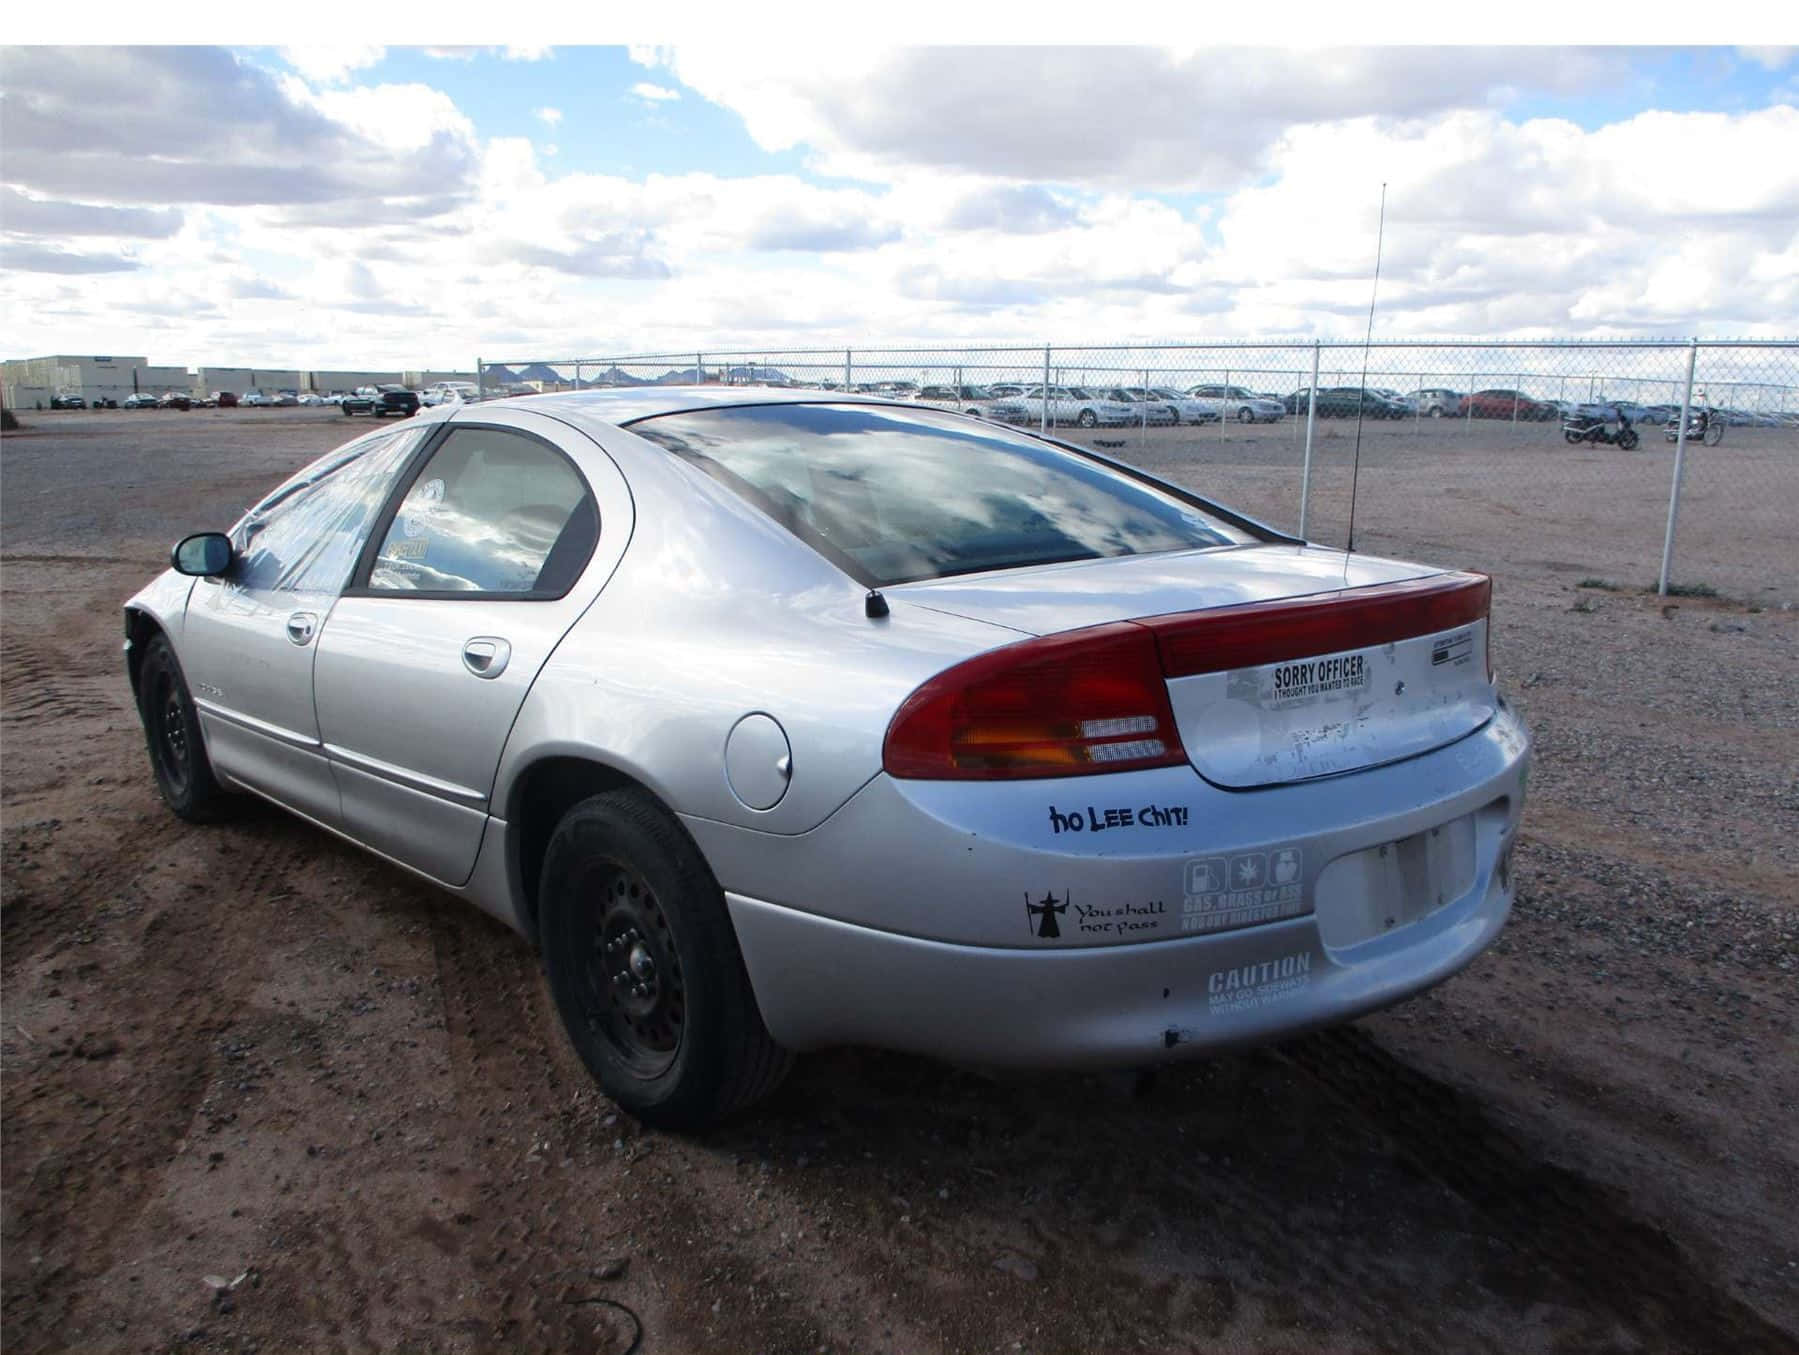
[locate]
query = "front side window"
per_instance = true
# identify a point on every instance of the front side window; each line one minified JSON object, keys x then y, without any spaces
{"x":308,"y":533}
{"x":492,"y":512}
{"x":892,"y":496}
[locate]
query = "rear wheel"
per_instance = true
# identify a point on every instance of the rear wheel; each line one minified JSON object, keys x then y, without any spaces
{"x":346,"y":410}
{"x":172,"y":731}
{"x":1714,"y":431}
{"x":1436,"y":411}
{"x":1628,"y":439}
{"x":1573,"y":438}
{"x":1087,"y":419}
{"x":645,"y":970}
{"x":1246,"y":415}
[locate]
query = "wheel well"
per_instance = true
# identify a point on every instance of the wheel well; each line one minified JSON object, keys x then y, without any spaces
{"x":140,"y":629}
{"x":547,"y":791}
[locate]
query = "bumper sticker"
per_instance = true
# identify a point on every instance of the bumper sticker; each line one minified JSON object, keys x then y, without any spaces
{"x":1243,"y":889}
{"x":1245,"y":987}
{"x":1096,"y":820}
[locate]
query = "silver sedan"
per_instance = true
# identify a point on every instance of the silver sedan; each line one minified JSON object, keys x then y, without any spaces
{"x":781,"y":720}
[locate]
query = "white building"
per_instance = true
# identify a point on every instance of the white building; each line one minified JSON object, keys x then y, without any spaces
{"x":237,"y":380}
{"x":31,"y":382}
{"x":326,"y":382}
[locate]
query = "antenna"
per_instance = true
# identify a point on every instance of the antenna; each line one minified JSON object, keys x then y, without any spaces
{"x":1361,"y":396}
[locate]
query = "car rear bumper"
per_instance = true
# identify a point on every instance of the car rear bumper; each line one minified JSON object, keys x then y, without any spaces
{"x":910,"y":920}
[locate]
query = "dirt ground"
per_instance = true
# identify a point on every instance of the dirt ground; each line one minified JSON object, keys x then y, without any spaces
{"x":262,"y":1092}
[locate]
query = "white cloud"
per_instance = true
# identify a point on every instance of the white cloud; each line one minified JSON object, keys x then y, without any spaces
{"x":527,"y":52}
{"x":330,"y":64}
{"x":654,"y":94}
{"x":1768,"y":58}
{"x":549,"y":116}
{"x":1136,"y":117}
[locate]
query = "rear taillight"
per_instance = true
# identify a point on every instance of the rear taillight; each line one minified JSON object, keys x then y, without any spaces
{"x":1074,"y":704}
{"x":1258,"y":633}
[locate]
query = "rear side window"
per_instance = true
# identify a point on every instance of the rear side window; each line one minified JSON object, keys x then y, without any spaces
{"x":492,"y":512}
{"x":892,"y":496}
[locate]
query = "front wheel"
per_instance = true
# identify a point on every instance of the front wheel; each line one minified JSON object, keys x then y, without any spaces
{"x":172,"y":731}
{"x":1714,"y":432}
{"x":346,"y":410}
{"x":645,"y":970}
{"x":1087,"y":419}
{"x":1628,"y":439}
{"x":1246,"y":415}
{"x":1573,"y":438}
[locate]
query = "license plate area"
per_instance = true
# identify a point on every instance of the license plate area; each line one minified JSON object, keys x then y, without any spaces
{"x":1383,"y":888}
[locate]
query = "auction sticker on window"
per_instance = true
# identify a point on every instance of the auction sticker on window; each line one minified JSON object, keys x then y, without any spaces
{"x":1300,"y":682}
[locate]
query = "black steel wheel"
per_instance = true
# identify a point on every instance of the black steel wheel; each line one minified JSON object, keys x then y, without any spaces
{"x":644,"y":966}
{"x":172,"y":732}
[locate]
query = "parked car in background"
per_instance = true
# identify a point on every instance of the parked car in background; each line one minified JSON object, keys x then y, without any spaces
{"x":175,"y":400}
{"x":1437,"y":402}
{"x":966,"y":399}
{"x":1187,"y":408}
{"x":1239,"y":403}
{"x":1073,"y":405}
{"x":450,"y":392}
{"x":1150,"y":410}
{"x":1501,"y":402}
{"x":380,"y":400}
{"x":139,"y":400}
{"x":311,"y":399}
{"x":67,"y":402}
{"x":255,"y":399}
{"x":225,"y":399}
{"x":774,"y":724}
{"x":205,"y":402}
{"x":1344,"y":402}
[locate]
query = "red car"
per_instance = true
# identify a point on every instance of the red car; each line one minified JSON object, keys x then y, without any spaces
{"x":1506,"y":404}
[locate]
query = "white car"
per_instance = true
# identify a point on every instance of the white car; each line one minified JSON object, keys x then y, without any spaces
{"x":1239,"y":403}
{"x":1149,"y":408}
{"x":450,"y":392}
{"x":1075,"y":405}
{"x":255,"y":398}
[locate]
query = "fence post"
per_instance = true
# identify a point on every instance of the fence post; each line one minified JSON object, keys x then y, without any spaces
{"x":577,"y":375}
{"x":1224,"y":400}
{"x":1043,"y":405}
{"x":1680,"y":456}
{"x":1305,"y":476}
{"x":699,"y":369}
{"x":481,"y":380}
{"x":848,"y":372}
{"x":1468,"y":419}
{"x":1146,"y":402}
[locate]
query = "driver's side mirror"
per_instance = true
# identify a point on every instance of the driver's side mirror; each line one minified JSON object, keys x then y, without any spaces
{"x":204,"y":554}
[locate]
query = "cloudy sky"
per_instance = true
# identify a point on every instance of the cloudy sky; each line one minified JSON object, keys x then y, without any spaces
{"x":324,"y":207}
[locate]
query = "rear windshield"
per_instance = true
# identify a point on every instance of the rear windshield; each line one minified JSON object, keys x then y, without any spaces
{"x":897,"y":495}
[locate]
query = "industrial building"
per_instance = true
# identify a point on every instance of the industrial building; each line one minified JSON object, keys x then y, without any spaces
{"x":30,"y":383}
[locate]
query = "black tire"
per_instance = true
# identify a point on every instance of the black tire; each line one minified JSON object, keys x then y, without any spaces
{"x":1714,"y":432}
{"x":1628,"y":439}
{"x":1436,"y":411}
{"x":1087,"y":418}
{"x":1574,"y":439}
{"x":673,"y":1034}
{"x":172,"y":732}
{"x":346,"y":410}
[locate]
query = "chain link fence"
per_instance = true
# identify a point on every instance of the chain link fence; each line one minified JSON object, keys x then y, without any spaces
{"x":1665,"y":464}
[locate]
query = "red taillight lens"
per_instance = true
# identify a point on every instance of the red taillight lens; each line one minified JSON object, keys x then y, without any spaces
{"x":1258,"y":633}
{"x":1074,"y":704}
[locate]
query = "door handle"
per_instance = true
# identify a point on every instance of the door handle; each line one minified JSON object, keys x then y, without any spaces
{"x":301,"y":626}
{"x":486,"y":656}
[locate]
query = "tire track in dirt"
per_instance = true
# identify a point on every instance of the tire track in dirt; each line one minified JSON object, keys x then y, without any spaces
{"x":70,"y":1193}
{"x":1585,"y":1231}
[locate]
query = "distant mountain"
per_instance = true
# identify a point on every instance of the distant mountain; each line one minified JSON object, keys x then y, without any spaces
{"x":539,"y":371}
{"x":615,"y":376}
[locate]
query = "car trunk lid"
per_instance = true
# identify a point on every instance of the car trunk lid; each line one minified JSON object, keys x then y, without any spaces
{"x":1283,"y":663}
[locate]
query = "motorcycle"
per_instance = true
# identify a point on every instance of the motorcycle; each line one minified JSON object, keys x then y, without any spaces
{"x":1579,"y":428}
{"x":1704,"y":424}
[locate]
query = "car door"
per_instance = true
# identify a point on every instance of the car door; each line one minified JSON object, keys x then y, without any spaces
{"x":473,"y":576}
{"x":249,"y":637}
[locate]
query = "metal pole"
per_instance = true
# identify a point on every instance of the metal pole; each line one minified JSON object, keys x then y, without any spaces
{"x":577,"y":376}
{"x":1305,"y":476}
{"x":1043,"y":408}
{"x":847,"y":373}
{"x":1680,"y":457}
{"x":699,"y":369}
{"x":1468,"y":413}
{"x":1517,"y":383}
{"x":481,"y":387}
{"x":1145,"y":394}
{"x":1224,"y":400}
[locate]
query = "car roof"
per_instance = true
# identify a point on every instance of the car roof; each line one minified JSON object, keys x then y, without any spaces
{"x":626,"y":404}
